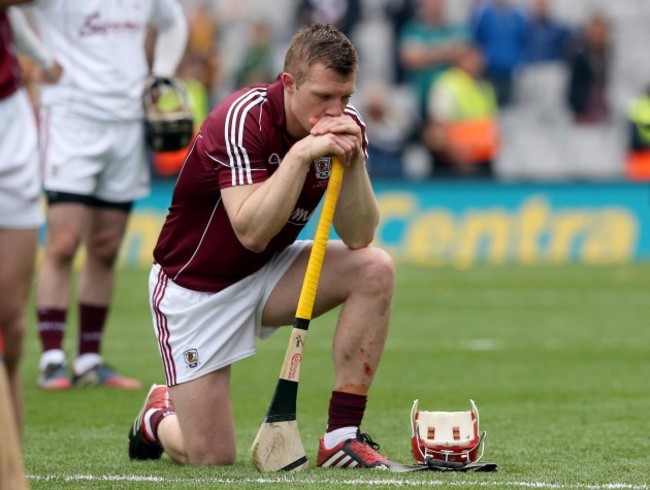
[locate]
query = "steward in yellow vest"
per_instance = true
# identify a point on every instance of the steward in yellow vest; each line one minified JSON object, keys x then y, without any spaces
{"x":461,"y":128}
{"x":637,"y":166}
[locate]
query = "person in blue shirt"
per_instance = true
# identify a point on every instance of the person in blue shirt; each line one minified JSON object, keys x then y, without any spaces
{"x":547,"y":38}
{"x":500,"y":30}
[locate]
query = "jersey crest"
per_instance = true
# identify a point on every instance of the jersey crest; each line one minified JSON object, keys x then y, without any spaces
{"x":323,"y":167}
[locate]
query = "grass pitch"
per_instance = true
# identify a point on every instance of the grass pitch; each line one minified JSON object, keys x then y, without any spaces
{"x":557,"y":359}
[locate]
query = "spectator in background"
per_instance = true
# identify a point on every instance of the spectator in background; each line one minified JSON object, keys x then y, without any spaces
{"x":20,"y":206}
{"x":500,"y":30}
{"x":342,"y":14}
{"x":257,"y":64}
{"x":201,"y":61}
{"x":94,"y":164}
{"x":637,"y":166}
{"x":389,"y":125}
{"x":398,"y":13}
{"x":461,"y":128}
{"x":547,"y":39}
{"x":589,"y":64}
{"x":428,"y":44}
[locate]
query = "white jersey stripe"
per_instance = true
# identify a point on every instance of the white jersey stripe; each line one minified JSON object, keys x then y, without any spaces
{"x":162,"y":327}
{"x":240,"y":139}
{"x":227,"y":130}
{"x":233,"y":121}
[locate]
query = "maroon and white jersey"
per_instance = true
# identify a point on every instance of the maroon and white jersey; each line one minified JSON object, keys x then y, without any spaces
{"x":10,"y":78}
{"x":242,"y":142}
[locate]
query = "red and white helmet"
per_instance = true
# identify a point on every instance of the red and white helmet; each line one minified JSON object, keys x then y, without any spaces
{"x":446,"y":436}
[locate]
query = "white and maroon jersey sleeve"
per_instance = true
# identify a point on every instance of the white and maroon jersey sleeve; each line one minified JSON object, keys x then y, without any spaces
{"x":233,"y":137}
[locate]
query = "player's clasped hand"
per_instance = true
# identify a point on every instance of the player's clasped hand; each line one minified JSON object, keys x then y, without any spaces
{"x":336,"y":135}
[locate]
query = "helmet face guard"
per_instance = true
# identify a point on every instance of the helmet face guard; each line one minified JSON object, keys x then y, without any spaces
{"x":446,"y":436}
{"x":167,"y":128}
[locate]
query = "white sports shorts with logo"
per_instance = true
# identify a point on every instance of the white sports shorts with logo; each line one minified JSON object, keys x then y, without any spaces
{"x":20,"y":175}
{"x":200,"y":332}
{"x":105,"y":160}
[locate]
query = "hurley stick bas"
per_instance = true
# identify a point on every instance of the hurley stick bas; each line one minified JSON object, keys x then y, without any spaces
{"x":277,"y":446}
{"x":12,"y":473}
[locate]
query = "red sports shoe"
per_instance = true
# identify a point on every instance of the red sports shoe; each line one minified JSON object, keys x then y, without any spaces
{"x":141,"y":446}
{"x":360,"y":452}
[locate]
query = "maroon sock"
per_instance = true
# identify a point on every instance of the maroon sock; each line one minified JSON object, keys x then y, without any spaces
{"x":346,"y":410}
{"x":51,"y":326}
{"x":156,"y":418}
{"x":91,"y":328}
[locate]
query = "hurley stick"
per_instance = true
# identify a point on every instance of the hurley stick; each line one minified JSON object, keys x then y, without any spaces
{"x":277,"y":446}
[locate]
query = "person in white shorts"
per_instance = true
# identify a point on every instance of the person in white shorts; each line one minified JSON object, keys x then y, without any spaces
{"x":94,"y":164}
{"x":228,"y":266}
{"x":20,"y":205}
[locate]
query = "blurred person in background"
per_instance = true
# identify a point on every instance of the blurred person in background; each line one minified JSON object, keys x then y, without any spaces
{"x":428,"y":44}
{"x":547,"y":38}
{"x":389,"y":124}
{"x":637,"y":166}
{"x":398,"y":13}
{"x":257,"y":64}
{"x":461,"y":128}
{"x":345,"y":15}
{"x":94,"y":164}
{"x":589,"y":65}
{"x":500,"y":30}
{"x":20,"y":191}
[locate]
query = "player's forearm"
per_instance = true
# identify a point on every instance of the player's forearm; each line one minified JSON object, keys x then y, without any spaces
{"x":357,"y":213}
{"x":266,"y":211}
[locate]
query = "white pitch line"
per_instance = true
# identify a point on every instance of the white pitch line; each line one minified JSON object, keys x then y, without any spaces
{"x":332,"y":481}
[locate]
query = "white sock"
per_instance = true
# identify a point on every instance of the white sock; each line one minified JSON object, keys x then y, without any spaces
{"x":85,"y":362}
{"x":52,"y":356}
{"x":147,"y":424}
{"x":331,"y":439}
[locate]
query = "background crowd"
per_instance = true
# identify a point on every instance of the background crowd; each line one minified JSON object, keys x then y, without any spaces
{"x":506,"y":89}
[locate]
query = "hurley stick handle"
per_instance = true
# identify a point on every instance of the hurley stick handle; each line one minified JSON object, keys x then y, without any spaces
{"x":315,"y":265}
{"x":293,"y":357}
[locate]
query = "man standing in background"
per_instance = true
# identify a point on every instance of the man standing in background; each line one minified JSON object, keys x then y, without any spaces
{"x":94,"y":163}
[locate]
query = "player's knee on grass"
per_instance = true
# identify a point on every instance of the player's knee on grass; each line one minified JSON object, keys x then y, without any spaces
{"x":214,"y":455}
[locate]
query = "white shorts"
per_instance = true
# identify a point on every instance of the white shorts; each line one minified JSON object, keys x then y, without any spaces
{"x":105,"y":160}
{"x":20,"y":176}
{"x":201,"y":332}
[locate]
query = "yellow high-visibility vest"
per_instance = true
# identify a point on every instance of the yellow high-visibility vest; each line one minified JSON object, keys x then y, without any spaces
{"x":472,"y":130}
{"x":639,"y":114}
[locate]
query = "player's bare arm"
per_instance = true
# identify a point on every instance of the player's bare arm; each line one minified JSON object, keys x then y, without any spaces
{"x":259,"y":211}
{"x":357,"y":211}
